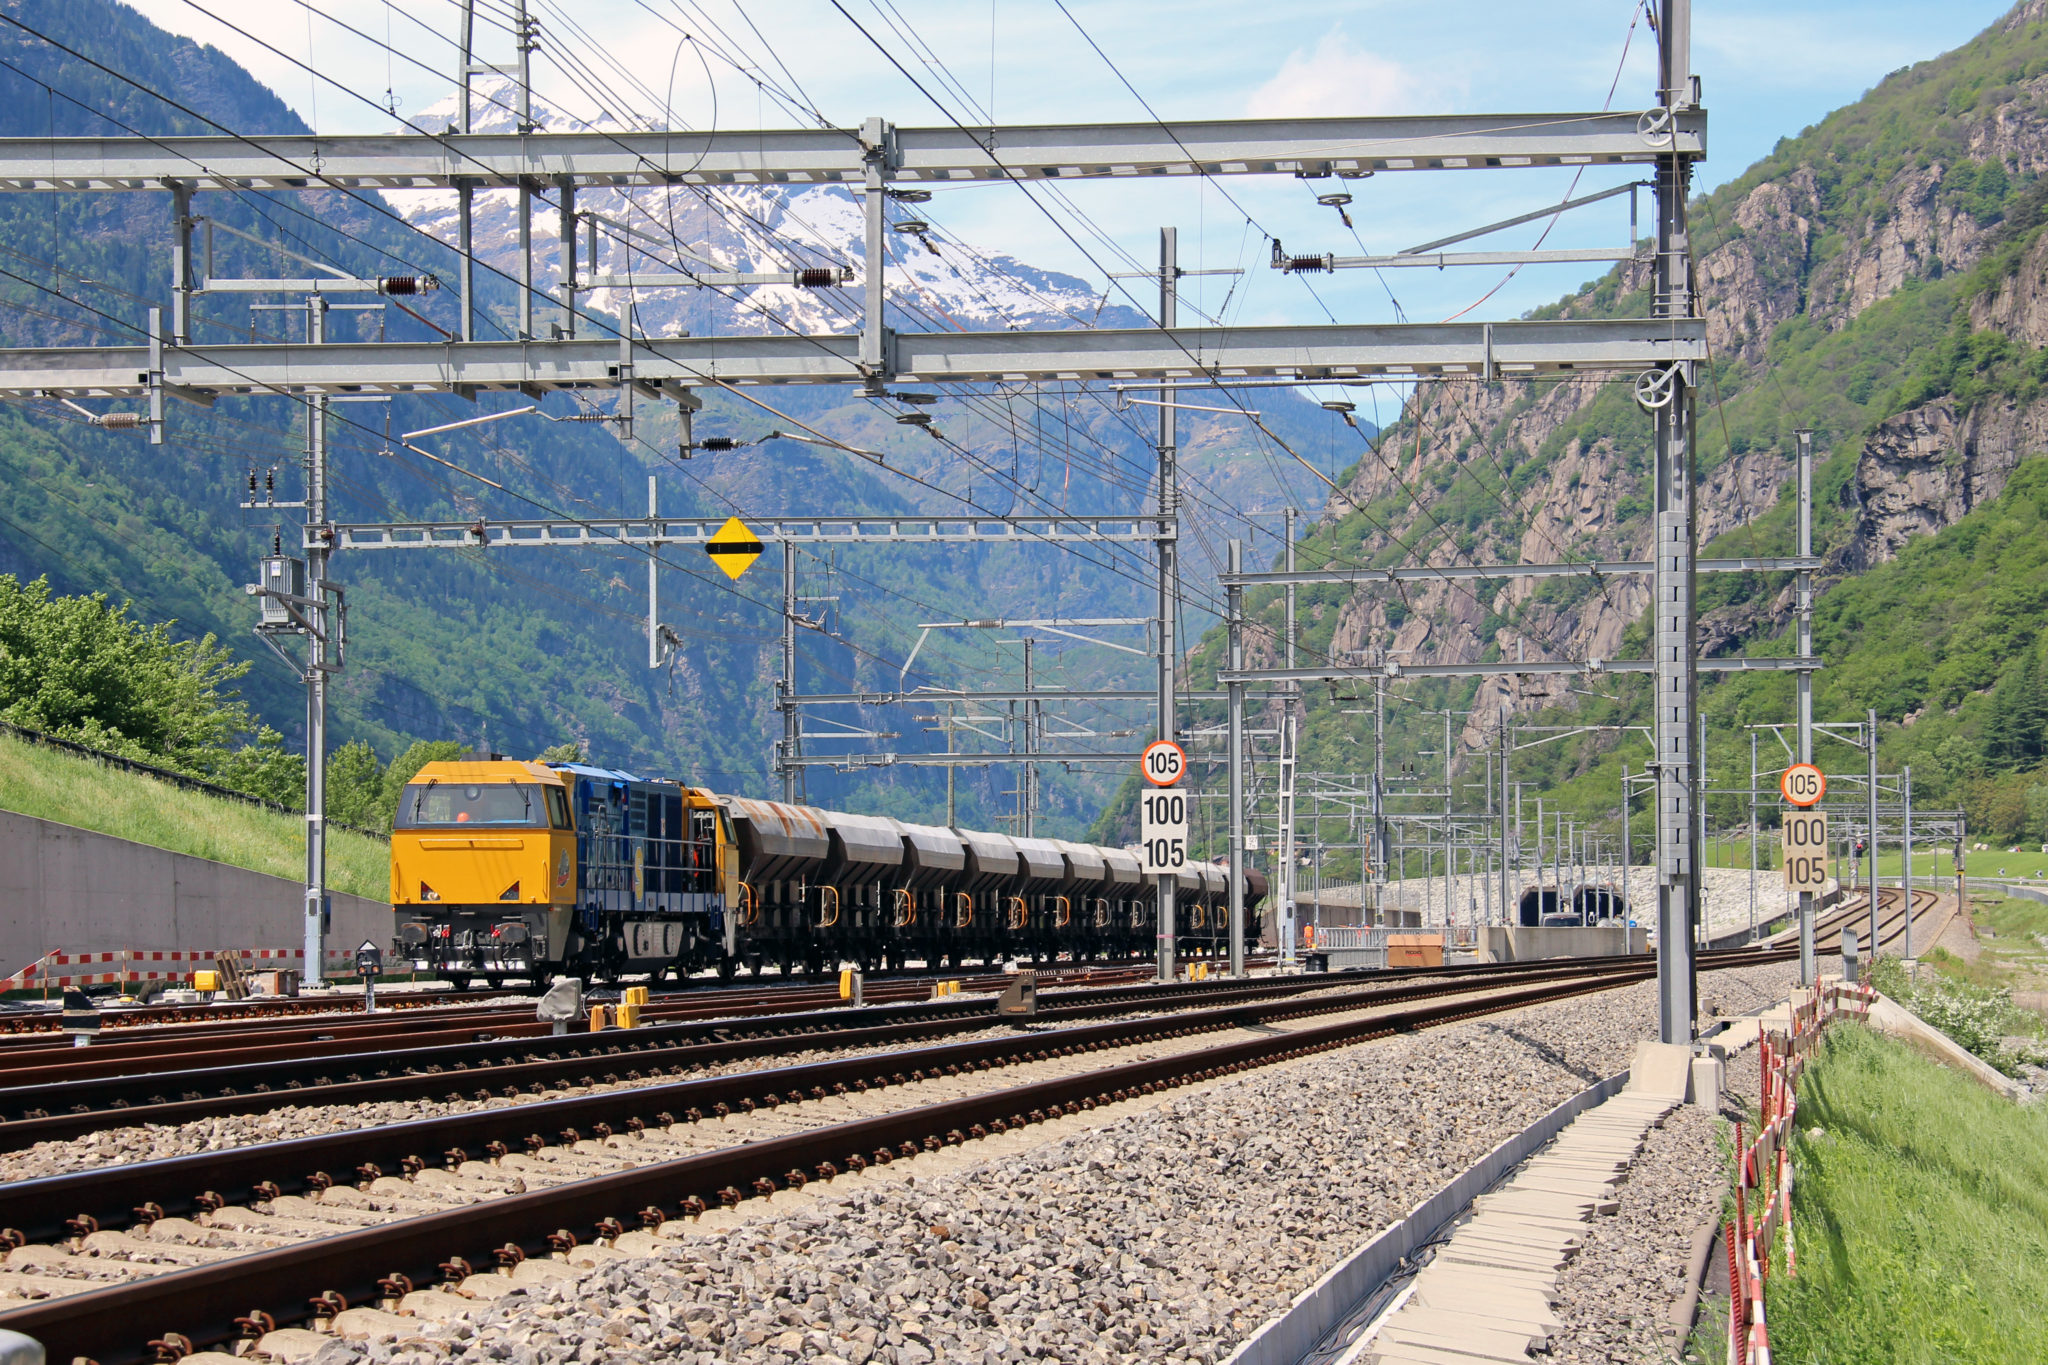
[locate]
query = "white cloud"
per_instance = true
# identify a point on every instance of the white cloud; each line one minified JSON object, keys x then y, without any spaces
{"x":1337,"y":79}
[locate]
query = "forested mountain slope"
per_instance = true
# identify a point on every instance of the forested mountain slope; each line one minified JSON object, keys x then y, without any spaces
{"x":518,"y":651}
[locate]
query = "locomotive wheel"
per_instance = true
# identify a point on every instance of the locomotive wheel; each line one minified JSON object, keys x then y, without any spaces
{"x":496,"y":983}
{"x":458,"y":981}
{"x":727,"y":969}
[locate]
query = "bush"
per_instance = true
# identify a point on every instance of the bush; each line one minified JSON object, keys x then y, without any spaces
{"x":1978,"y":1018}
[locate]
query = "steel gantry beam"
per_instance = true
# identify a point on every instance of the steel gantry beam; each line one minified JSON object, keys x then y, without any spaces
{"x":1306,"y":147}
{"x":1593,"y":568}
{"x":1341,"y":673}
{"x":1480,"y":350}
{"x":648,"y":533}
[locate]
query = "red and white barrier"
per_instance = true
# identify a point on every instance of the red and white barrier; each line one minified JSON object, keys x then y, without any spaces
{"x":145,"y":964}
{"x":1763,"y":1175}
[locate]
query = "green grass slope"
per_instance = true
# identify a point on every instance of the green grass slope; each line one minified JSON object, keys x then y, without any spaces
{"x":1921,"y":1217}
{"x":54,"y":785}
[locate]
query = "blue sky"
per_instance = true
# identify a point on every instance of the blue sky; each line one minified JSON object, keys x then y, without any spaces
{"x":1768,"y":70}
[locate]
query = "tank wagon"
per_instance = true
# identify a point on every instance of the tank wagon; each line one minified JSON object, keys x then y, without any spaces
{"x":506,"y":869}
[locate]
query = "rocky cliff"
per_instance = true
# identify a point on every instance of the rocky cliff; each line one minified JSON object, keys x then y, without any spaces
{"x":1882,"y":278}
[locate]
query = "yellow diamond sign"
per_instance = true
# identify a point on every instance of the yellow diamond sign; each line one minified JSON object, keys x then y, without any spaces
{"x":733,"y":548}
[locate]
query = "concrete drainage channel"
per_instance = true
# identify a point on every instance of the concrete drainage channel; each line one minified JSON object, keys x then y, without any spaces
{"x":251,"y":1294}
{"x":1368,"y":1305}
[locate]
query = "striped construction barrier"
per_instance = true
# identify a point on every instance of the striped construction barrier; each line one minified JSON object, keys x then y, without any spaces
{"x":1763,"y":1176}
{"x":146,"y":964}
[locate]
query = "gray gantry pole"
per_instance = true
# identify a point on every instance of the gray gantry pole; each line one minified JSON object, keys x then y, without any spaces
{"x":1507,"y":914}
{"x":465,"y":190}
{"x":523,"y":101}
{"x":1669,"y":388}
{"x":1234,"y":609}
{"x":1752,"y":836}
{"x":318,"y":641}
{"x":1449,"y":891}
{"x":1870,"y":807}
{"x":785,"y":686}
{"x":1808,"y":961}
{"x":1169,"y":587}
{"x":1380,"y":841}
{"x":1628,"y":907}
{"x":1906,"y":858}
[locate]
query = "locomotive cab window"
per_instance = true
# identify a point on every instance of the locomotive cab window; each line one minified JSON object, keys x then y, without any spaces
{"x":456,"y":805}
{"x":558,"y":808}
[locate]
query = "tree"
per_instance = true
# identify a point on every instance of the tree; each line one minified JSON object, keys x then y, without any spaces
{"x":80,"y":668}
{"x":265,"y":769}
{"x":355,"y":785}
{"x":2016,"y":733}
{"x":2037,"y":814}
{"x":569,"y":751}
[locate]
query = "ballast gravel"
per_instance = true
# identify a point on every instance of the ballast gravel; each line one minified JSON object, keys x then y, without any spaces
{"x":1164,"y":1230}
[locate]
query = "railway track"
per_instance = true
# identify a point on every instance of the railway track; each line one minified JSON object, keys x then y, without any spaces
{"x":40,"y":1109}
{"x":372,"y":1235}
{"x":40,"y":1025}
{"x":1929,"y":915}
{"x":180,"y":1046}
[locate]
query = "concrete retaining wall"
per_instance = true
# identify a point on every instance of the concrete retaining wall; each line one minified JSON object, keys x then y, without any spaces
{"x":1527,"y":945}
{"x":73,"y":890}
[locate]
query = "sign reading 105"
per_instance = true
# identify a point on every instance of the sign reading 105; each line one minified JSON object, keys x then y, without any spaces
{"x":1163,"y":830}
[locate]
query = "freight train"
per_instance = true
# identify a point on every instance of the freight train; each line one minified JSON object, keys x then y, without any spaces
{"x":503,"y":869}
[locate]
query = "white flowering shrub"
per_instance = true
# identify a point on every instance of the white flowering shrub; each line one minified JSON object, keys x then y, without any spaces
{"x":1981,"y":1019}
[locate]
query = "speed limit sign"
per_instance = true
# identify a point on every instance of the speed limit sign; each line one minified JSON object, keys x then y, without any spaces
{"x":1163,"y":763}
{"x":1803,"y":785}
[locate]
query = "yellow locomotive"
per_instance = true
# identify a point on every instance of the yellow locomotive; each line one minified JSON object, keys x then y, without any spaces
{"x":502,"y":869}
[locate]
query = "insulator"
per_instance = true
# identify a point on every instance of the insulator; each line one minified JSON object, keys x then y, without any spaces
{"x":817,"y":277}
{"x":1333,"y":201}
{"x":277,"y":542}
{"x":718,"y":443}
{"x":407,"y":284}
{"x":916,"y":227}
{"x":252,"y":483}
{"x":118,"y":421}
{"x":1307,"y":265}
{"x":269,"y":481}
{"x":910,"y":196}
{"x":921,"y":399}
{"x":914,"y":419}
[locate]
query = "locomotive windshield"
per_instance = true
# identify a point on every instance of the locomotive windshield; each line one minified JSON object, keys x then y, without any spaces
{"x":451,"y":805}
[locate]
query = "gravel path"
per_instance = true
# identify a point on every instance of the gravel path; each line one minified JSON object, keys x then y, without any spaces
{"x":1160,"y":1230}
{"x":1616,"y":1295}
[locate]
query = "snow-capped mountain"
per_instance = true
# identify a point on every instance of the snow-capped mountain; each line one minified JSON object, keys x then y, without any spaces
{"x":936,"y":282}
